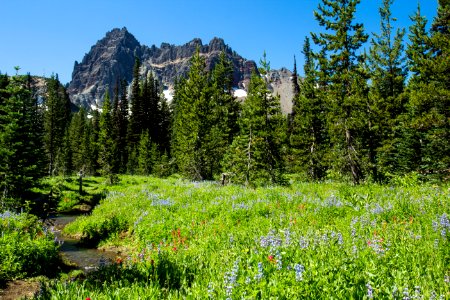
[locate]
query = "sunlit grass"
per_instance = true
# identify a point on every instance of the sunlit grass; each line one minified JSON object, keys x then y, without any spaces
{"x":201,"y":240}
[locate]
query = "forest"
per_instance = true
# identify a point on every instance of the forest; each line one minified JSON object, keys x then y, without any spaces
{"x":371,"y":110}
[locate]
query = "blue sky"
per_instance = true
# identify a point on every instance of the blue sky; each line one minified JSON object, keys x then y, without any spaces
{"x":47,"y":36}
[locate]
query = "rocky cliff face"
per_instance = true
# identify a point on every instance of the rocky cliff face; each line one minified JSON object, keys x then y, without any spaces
{"x":113,"y":56}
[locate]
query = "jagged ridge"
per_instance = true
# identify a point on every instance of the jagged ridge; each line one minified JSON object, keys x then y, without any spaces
{"x":112,"y":58}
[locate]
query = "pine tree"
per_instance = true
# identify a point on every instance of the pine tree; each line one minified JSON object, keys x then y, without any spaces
{"x":106,"y":141}
{"x":429,"y":96}
{"x":255,"y":156}
{"x":295,"y":85}
{"x":341,"y":66}
{"x":122,"y":128}
{"x":191,"y":108}
{"x":21,"y":154}
{"x":56,"y":120}
{"x":77,"y":134}
{"x":221,"y":121}
{"x":387,"y":75}
{"x":137,"y":117}
{"x":165,"y":121}
{"x":147,"y":155}
{"x":308,"y":136}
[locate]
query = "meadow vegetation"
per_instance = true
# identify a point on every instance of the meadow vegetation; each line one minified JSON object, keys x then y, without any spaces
{"x":198,"y":240}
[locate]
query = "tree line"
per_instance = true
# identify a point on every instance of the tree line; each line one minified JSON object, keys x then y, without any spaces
{"x":358,"y":115}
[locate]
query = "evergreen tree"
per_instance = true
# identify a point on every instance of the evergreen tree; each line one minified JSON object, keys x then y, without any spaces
{"x":387,"y":75}
{"x":106,"y":141}
{"x":191,"y":109}
{"x":115,"y":116}
{"x":92,"y":137}
{"x":255,"y":156}
{"x":56,"y":120}
{"x":77,"y":134}
{"x":221,"y":121}
{"x":147,"y":155}
{"x":429,"y":96}
{"x":345,"y":79}
{"x":121,"y":128}
{"x":165,"y":121}
{"x":21,"y":153}
{"x":308,"y":136}
{"x":295,"y":85}
{"x":137,"y":117}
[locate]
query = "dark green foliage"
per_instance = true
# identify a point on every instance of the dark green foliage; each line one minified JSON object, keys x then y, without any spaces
{"x":137,"y":118}
{"x":191,"y":110}
{"x":430,"y":98}
{"x":21,"y":149}
{"x":120,"y":128}
{"x":255,"y":156}
{"x":346,"y":98}
{"x":295,"y":85}
{"x":56,"y":121}
{"x":308,"y":137}
{"x":148,"y":155}
{"x":106,"y":141}
{"x":221,"y":121}
{"x":26,"y":249}
{"x":205,"y":115}
{"x":421,"y":137}
{"x":78,"y":141}
{"x":387,"y":75}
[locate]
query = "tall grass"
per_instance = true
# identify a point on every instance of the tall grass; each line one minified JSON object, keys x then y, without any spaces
{"x":201,"y":240}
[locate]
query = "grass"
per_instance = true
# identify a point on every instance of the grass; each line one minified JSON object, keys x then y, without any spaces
{"x":27,"y":247}
{"x":200,"y":240}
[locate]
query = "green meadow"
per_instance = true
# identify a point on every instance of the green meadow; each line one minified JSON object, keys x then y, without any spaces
{"x":200,"y":240}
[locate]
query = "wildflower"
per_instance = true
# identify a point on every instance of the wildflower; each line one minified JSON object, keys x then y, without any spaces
{"x":260,"y":273}
{"x":299,"y":269}
{"x":417,"y":292}
{"x":394,"y":292}
{"x":406,"y":294}
{"x":369,"y":291}
{"x":279,"y":261}
{"x":287,"y":237}
{"x":303,"y":243}
{"x":340,"y":238}
{"x":210,"y":290}
{"x":435,"y":226}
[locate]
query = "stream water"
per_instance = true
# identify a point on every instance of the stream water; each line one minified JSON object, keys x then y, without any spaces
{"x":84,"y":258}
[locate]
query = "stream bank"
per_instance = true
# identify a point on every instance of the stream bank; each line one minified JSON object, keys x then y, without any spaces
{"x":73,"y":251}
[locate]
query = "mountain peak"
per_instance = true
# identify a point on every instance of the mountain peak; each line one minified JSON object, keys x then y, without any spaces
{"x":113,"y":57}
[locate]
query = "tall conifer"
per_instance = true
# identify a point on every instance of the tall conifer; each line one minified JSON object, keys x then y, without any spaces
{"x":341,"y":68}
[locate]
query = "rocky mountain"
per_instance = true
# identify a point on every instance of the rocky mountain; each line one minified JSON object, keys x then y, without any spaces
{"x":113,"y":57}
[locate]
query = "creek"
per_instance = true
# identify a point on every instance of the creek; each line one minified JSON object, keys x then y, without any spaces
{"x":71,"y":250}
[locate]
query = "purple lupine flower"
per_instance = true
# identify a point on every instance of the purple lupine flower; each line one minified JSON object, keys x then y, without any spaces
{"x":260,"y":273}
{"x":406,"y":294}
{"x":304,"y":243}
{"x":369,"y":291}
{"x":210,"y":290}
{"x":279,"y":260}
{"x":299,"y":269}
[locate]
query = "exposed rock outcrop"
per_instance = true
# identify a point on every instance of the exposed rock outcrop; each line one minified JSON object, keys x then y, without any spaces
{"x":112,"y":58}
